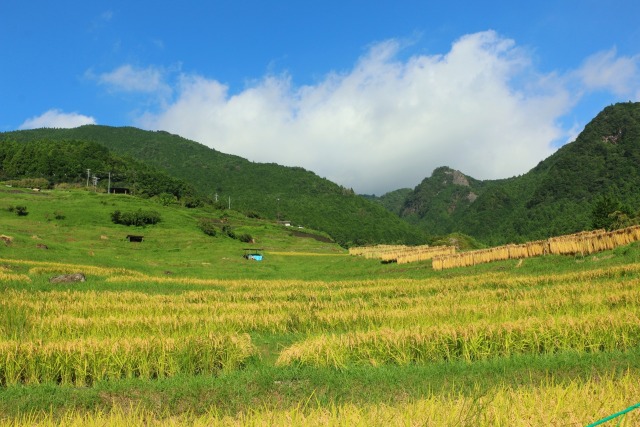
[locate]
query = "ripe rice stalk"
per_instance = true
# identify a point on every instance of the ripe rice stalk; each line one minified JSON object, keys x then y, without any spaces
{"x":316,"y":306}
{"x":467,"y":342}
{"x":83,"y":362}
{"x":12,"y":277}
{"x":46,"y":267}
{"x":398,"y":308}
{"x":89,"y":270}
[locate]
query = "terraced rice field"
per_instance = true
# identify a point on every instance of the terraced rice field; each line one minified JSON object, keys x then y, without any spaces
{"x":109,"y":331}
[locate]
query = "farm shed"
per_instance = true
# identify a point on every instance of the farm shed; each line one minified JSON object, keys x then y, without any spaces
{"x":119,"y":190}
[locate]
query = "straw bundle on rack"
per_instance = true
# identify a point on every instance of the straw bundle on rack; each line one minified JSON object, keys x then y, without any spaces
{"x":583,"y":243}
{"x":401,"y":253}
{"x":424,"y":254}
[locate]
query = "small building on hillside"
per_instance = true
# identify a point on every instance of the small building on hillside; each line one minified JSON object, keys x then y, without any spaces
{"x":119,"y":190}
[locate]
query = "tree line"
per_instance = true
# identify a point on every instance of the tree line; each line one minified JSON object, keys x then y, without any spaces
{"x":78,"y":162}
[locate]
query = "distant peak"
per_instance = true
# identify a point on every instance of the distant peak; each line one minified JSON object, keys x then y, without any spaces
{"x":451,"y":176}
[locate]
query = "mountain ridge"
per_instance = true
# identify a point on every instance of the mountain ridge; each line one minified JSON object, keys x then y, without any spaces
{"x":555,"y":197}
{"x":263,"y":189}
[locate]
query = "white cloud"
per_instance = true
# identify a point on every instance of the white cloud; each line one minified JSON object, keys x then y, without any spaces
{"x":607,"y":71}
{"x":126,"y":78}
{"x":55,"y":118}
{"x":387,"y":123}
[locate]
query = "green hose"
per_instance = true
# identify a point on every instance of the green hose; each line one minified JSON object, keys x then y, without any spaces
{"x":617,"y":414}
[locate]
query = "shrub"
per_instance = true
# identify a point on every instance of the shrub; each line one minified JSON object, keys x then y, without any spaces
{"x":228,"y":231}
{"x":207,"y":226}
{"x":243,"y":237}
{"x":193,"y":202}
{"x":21,"y":210}
{"x":137,"y":218}
{"x":166,"y":199}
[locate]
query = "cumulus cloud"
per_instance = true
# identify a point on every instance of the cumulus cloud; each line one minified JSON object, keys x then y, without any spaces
{"x":55,"y":118}
{"x":387,"y":123}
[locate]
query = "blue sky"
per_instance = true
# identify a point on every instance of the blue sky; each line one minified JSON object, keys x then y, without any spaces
{"x":372,"y":95}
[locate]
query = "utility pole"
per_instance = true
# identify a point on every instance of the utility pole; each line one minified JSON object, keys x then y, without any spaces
{"x":95,"y":182}
{"x":216,"y":197}
{"x":229,"y":202}
{"x":88,"y":175}
{"x":109,"y":186}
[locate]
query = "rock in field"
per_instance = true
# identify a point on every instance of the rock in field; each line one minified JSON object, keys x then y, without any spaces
{"x":68,"y":278}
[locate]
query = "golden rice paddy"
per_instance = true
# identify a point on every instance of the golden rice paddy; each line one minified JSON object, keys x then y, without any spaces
{"x":63,"y":336}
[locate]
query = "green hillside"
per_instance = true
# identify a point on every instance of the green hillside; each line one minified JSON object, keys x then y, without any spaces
{"x":76,"y":226}
{"x":265,"y":190}
{"x":556,"y":197}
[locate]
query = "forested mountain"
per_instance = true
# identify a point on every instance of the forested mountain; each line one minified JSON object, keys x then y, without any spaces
{"x":268,"y":190}
{"x":556,"y":197}
{"x":58,"y":162}
{"x":392,"y":201}
{"x":439,"y":197}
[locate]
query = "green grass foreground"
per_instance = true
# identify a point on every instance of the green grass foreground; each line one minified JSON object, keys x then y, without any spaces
{"x":547,"y":341}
